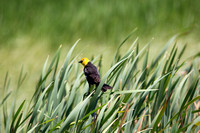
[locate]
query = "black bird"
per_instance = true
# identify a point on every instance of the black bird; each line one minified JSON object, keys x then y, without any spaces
{"x":92,"y":74}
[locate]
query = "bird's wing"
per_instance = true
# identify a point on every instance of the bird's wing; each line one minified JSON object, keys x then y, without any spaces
{"x":92,"y":73}
{"x":96,"y":78}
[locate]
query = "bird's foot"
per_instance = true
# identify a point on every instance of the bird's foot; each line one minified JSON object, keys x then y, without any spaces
{"x":86,"y":94}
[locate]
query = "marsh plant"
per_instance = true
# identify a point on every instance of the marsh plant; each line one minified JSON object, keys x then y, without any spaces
{"x":158,"y":95}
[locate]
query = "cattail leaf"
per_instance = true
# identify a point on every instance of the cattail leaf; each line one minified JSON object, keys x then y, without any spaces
{"x":5,"y":98}
{"x":32,"y":129}
{"x":163,"y":50}
{"x":67,"y":61}
{"x":36,"y":107}
{"x":109,"y":121}
{"x":159,"y":116}
{"x":73,"y":114}
{"x":108,"y":127}
{"x":57,"y":126}
{"x":16,"y":114}
{"x":195,"y":123}
{"x":122,"y":43}
{"x":133,"y":91}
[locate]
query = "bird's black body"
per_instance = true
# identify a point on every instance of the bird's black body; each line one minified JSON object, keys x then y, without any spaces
{"x":93,"y":77}
{"x":92,"y":74}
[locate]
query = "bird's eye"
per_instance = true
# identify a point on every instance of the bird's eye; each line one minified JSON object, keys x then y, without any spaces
{"x":83,"y":59}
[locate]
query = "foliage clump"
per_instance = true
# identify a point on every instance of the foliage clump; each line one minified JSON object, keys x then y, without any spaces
{"x":153,"y":96}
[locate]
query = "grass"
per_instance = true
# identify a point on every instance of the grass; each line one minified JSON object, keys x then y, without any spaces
{"x":149,"y":94}
{"x":99,"y":21}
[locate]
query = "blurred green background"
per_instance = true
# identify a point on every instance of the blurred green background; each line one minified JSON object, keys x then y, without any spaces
{"x":30,"y":30}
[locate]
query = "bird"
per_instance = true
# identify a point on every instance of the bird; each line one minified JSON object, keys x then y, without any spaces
{"x":92,"y":74}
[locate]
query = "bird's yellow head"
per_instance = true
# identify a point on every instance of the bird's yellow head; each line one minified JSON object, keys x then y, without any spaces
{"x":84,"y":61}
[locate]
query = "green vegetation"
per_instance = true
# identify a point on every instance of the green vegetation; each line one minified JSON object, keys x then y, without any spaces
{"x":100,"y":21}
{"x":31,"y":30}
{"x":148,"y":95}
{"x":155,"y":88}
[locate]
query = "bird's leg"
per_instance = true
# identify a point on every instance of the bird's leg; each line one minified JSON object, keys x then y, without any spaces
{"x":87,"y":93}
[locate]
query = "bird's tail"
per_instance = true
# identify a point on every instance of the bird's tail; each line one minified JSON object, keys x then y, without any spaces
{"x":105,"y":87}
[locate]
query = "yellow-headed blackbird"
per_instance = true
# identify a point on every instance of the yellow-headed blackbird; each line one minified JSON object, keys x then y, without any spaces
{"x":92,"y":74}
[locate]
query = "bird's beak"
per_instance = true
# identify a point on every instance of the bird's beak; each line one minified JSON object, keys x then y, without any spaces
{"x":80,"y":61}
